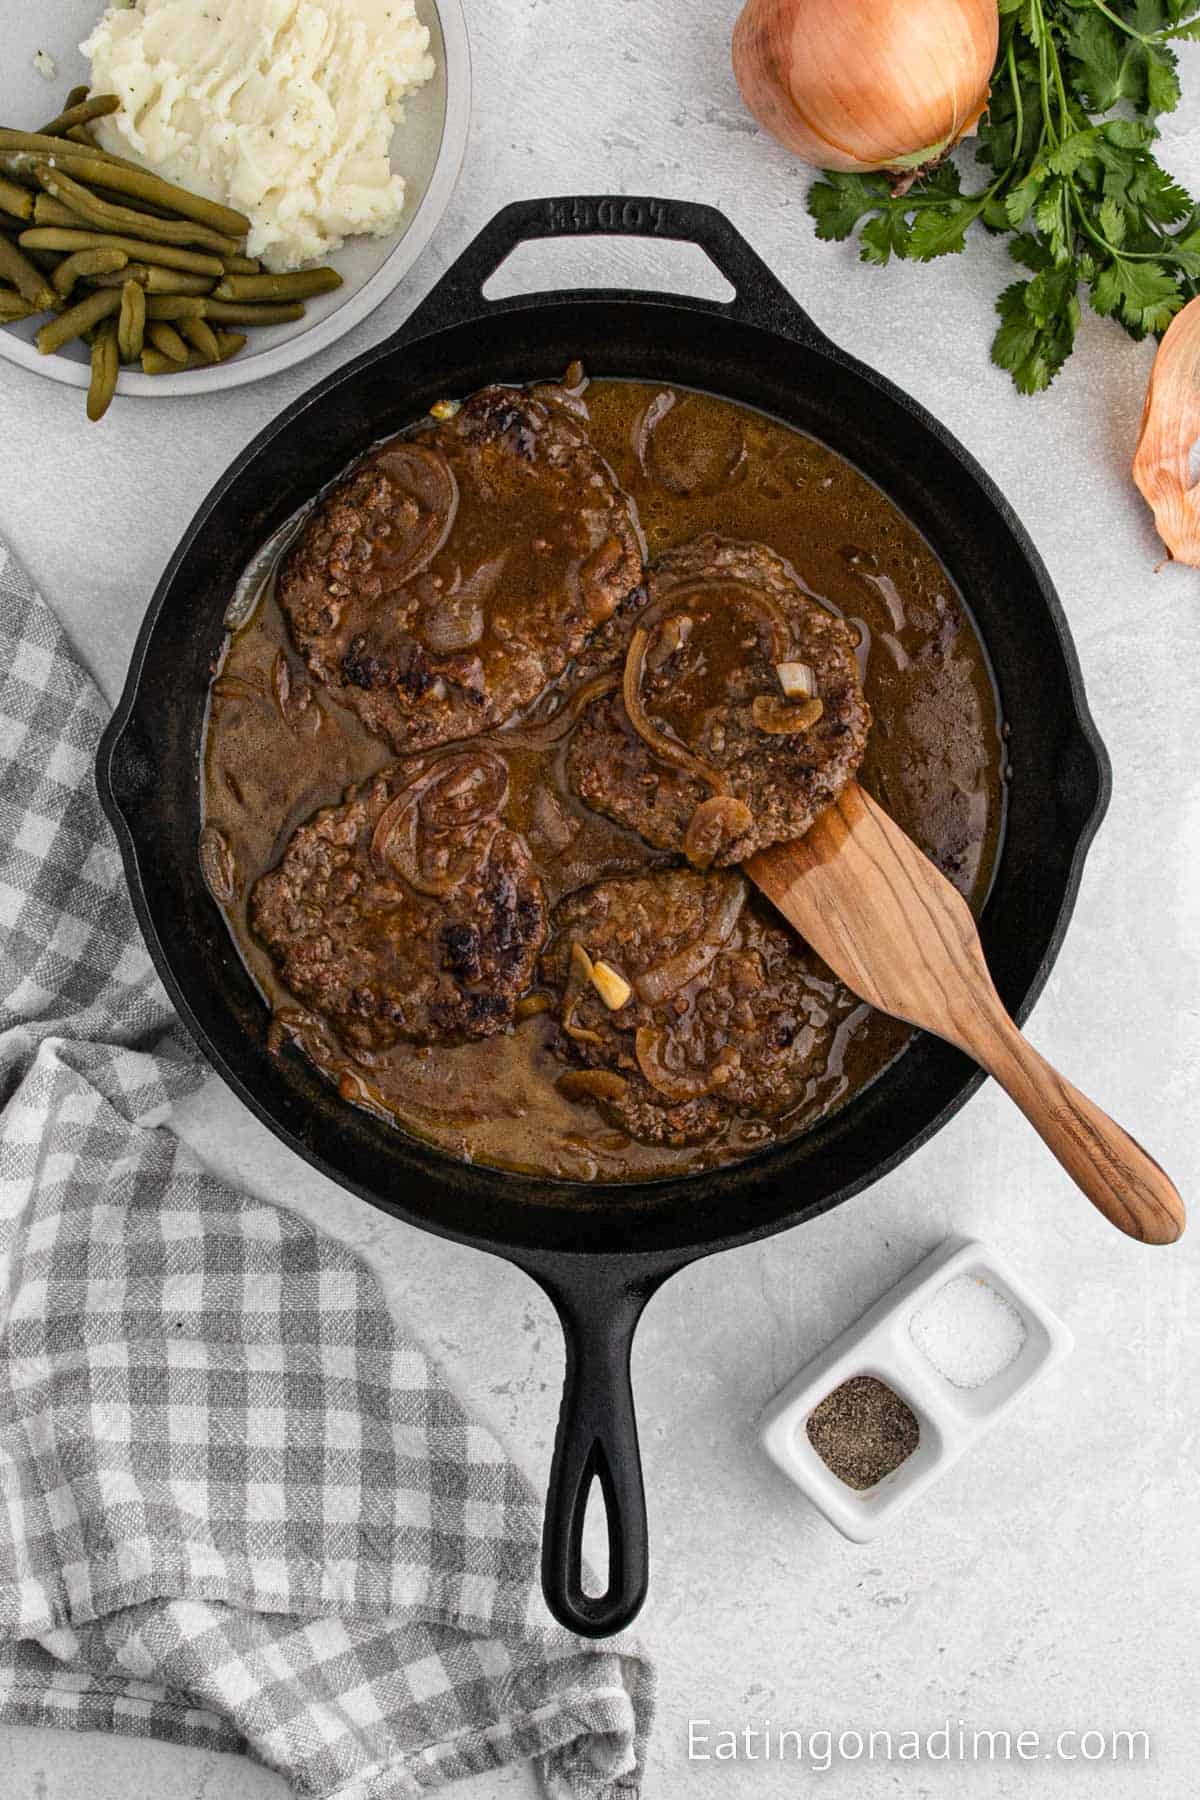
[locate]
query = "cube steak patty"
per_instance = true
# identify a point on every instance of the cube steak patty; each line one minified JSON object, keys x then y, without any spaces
{"x":408,"y":911}
{"x":718,"y":618}
{"x":452,"y":574}
{"x":728,"y":1012}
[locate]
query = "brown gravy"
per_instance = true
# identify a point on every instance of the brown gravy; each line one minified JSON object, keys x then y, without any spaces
{"x":277,"y":749}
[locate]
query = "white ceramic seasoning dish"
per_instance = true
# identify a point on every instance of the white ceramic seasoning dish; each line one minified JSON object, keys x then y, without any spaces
{"x":427,"y":149}
{"x":951,"y":1418}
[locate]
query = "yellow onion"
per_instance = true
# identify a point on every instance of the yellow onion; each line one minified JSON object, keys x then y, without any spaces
{"x":1170,"y":427}
{"x":866,"y":84}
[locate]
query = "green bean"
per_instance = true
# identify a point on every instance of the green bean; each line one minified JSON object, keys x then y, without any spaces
{"x":241,"y":265}
{"x":29,"y":282}
{"x":77,"y":236}
{"x":13,"y":306}
{"x":168,"y":340}
{"x":301,"y":285}
{"x":86,"y":262}
{"x":77,"y":320}
{"x":131,"y":322}
{"x":80,"y":113}
{"x":157,"y":281}
{"x":106,"y":217}
{"x":155,"y":363}
{"x":201,"y":336}
{"x":19,"y":166}
{"x":109,"y":156}
{"x":79,"y":134}
{"x":140,"y":184}
{"x":52,"y":212}
{"x":142,"y":207}
{"x":37,"y":143}
{"x":77,"y":96}
{"x":23,"y":165}
{"x":176,"y":281}
{"x":234,"y":312}
{"x":105,"y":369}
{"x":176,"y":306}
{"x":15,"y":200}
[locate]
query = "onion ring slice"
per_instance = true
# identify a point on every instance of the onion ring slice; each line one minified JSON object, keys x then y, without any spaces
{"x":396,"y":840}
{"x":424,"y":477}
{"x":655,"y":985}
{"x":668,"y":750}
{"x":647,"y":1045}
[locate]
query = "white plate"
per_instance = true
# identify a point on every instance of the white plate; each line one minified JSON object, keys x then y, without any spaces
{"x":427,"y":150}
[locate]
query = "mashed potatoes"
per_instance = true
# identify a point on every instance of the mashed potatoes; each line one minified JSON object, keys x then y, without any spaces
{"x":282,"y":108}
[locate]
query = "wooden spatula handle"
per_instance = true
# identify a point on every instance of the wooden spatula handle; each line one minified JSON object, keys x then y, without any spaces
{"x":1109,"y":1166}
{"x":903,"y":939}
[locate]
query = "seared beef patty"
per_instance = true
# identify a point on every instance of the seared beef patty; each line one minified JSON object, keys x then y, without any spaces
{"x":408,"y":911}
{"x":727,"y":1010}
{"x":454,"y":573}
{"x":736,"y":762}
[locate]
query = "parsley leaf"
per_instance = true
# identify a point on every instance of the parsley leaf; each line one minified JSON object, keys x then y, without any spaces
{"x":1066,"y":151}
{"x":838,"y":202}
{"x":1036,"y":333}
{"x":884,"y":236}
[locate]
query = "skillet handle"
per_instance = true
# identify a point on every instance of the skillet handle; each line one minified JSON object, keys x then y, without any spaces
{"x":596,"y":1441}
{"x":759,"y":299}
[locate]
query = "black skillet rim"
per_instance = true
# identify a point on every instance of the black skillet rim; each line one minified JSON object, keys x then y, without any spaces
{"x":763,"y":306}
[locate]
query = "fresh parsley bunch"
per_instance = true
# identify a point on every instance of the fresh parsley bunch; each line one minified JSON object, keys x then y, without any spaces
{"x":1068,"y":141}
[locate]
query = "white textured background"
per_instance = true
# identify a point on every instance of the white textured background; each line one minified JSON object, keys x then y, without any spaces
{"x":1051,"y":1581}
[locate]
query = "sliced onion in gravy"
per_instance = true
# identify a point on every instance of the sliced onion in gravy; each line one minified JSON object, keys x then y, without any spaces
{"x":437,"y":819}
{"x":670,"y":750}
{"x":656,"y":985}
{"x":419,"y":528}
{"x":670,"y":1083}
{"x":592,"y":1084}
{"x":715,"y":824}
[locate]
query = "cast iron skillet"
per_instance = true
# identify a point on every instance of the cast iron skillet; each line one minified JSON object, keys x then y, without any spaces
{"x":601,"y":1251}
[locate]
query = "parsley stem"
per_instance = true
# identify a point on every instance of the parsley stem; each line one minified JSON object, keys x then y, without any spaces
{"x":1154,"y":37}
{"x":1018,"y":107}
{"x":1041,"y":33}
{"x":1160,"y":253}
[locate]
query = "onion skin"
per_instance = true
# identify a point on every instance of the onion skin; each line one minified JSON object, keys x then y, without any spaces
{"x":1170,"y":426}
{"x":866,"y":84}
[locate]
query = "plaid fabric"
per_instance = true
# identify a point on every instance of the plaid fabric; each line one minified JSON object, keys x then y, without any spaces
{"x":240,"y":1509}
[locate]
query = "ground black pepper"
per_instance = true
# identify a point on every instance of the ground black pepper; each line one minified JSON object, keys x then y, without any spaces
{"x":862,"y":1431}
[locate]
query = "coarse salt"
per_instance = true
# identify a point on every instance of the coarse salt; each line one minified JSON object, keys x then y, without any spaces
{"x":968,"y":1331}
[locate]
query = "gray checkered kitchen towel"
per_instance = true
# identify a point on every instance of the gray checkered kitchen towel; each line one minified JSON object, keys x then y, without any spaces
{"x":238,"y":1508}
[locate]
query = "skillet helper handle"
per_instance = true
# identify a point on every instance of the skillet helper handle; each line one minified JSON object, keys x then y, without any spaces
{"x":760,"y":299}
{"x":596,"y":1442}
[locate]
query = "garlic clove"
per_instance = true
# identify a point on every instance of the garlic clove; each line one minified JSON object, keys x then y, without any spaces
{"x":612,"y":987}
{"x":797,"y":679}
{"x":1170,"y":427}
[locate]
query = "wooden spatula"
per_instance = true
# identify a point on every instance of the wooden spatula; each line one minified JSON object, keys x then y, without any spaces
{"x":874,"y":907}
